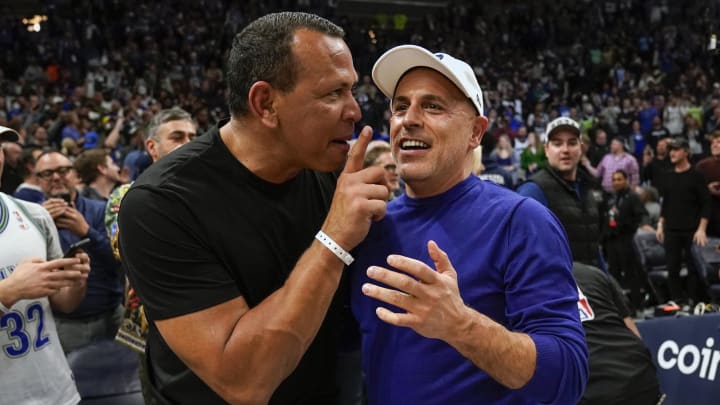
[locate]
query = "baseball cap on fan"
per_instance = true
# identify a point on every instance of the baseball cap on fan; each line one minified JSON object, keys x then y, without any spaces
{"x":562,"y":123}
{"x":394,"y":63}
{"x":8,"y":135}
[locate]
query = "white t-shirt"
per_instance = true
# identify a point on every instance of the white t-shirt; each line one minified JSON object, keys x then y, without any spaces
{"x":33,"y":368}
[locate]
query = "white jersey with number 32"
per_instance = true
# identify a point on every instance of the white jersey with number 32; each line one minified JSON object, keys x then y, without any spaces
{"x":33,"y":368}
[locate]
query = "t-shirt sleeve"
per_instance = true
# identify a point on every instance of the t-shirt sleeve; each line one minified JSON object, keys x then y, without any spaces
{"x":541,"y":297}
{"x":172,"y":268}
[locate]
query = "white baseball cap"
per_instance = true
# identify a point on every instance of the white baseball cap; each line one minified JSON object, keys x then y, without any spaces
{"x":562,"y":123}
{"x":394,"y":63}
{"x":8,"y":134}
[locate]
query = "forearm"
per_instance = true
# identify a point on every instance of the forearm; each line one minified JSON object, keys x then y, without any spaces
{"x":631,"y":325}
{"x":702,"y":226}
{"x":508,"y":357}
{"x":270,"y":339}
{"x":114,"y":136}
{"x":593,"y":171}
{"x":298,"y":308}
{"x":7,"y":297}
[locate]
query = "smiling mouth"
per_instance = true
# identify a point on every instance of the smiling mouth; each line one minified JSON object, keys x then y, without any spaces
{"x":413,"y":145}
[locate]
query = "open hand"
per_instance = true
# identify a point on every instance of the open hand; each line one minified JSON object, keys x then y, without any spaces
{"x":431,"y":298}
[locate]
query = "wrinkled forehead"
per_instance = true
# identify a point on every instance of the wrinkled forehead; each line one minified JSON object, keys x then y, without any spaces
{"x":423,"y":75}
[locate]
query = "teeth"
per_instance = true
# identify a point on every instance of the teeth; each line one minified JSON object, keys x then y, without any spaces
{"x":414,"y":144}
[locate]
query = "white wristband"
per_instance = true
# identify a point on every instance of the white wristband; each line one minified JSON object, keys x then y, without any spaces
{"x":341,"y":253}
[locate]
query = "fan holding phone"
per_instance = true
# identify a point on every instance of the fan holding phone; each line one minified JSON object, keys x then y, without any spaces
{"x":80,"y":225}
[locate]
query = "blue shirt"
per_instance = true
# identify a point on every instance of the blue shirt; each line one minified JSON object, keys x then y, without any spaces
{"x":106,"y":282}
{"x":514,"y":266}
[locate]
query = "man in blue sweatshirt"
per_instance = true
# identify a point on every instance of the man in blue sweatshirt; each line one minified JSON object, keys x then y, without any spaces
{"x":464,"y":292}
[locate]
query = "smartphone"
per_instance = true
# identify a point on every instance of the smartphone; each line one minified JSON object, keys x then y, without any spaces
{"x":67,"y":197}
{"x":75,"y":247}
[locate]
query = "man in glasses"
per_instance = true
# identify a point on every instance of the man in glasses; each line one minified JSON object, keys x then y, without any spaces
{"x":99,"y":315}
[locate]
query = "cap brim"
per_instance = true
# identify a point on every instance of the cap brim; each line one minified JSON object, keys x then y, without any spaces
{"x":8,"y":134}
{"x":570,"y":128}
{"x":394,"y":63}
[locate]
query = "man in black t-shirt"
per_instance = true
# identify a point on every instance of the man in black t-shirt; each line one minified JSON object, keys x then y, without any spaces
{"x":236,"y":242}
{"x":655,"y":172}
{"x":621,"y":369}
{"x":683,"y":217}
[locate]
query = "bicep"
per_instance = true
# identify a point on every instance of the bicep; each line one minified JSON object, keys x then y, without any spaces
{"x":199,"y":338}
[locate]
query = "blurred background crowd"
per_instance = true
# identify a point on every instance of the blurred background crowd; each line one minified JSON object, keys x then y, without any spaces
{"x":91,"y":74}
{"x":96,"y":66}
{"x":95,"y":80}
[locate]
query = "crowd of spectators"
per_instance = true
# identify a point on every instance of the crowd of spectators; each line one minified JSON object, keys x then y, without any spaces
{"x":96,"y":72}
{"x":631,"y":72}
{"x":93,"y":62}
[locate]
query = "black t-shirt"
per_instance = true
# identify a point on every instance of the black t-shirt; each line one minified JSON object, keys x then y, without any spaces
{"x":199,"y":229}
{"x":620,"y":363}
{"x":656,"y":172}
{"x":686,"y":200}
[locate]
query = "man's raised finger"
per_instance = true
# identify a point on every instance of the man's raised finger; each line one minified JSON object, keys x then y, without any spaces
{"x":357,"y":152}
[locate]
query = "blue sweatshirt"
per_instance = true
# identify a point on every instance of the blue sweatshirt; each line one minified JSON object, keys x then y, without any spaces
{"x":513,"y":265}
{"x":106,"y":281}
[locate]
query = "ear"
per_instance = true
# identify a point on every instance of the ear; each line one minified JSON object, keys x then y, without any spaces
{"x":481,"y":124}
{"x":150,"y":148}
{"x":261,"y":102}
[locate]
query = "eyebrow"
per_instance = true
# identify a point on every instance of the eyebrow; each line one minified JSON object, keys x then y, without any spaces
{"x":177,"y":132}
{"x":425,"y":97}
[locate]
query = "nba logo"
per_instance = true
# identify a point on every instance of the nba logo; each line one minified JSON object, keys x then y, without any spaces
{"x":586,"y":312}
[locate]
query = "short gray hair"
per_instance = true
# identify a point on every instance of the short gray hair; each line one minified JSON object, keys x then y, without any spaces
{"x":166,"y":115}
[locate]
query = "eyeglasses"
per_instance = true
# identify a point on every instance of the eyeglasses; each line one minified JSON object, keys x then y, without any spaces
{"x":47,"y":174}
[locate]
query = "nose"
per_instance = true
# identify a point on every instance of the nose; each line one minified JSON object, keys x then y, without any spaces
{"x":412,"y":116}
{"x":352,"y":112}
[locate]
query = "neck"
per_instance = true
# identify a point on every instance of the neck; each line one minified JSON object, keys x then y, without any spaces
{"x":682,"y":165}
{"x":103,"y":186}
{"x":255,"y":147}
{"x":31,"y":180}
{"x":570,"y":175}
{"x":430,"y":187}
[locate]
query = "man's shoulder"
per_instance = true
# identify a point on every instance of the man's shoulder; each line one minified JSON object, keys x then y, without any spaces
{"x":708,"y":163}
{"x":540,"y":179}
{"x":500,"y":202}
{"x":33,"y":209}
{"x":201,"y":157}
